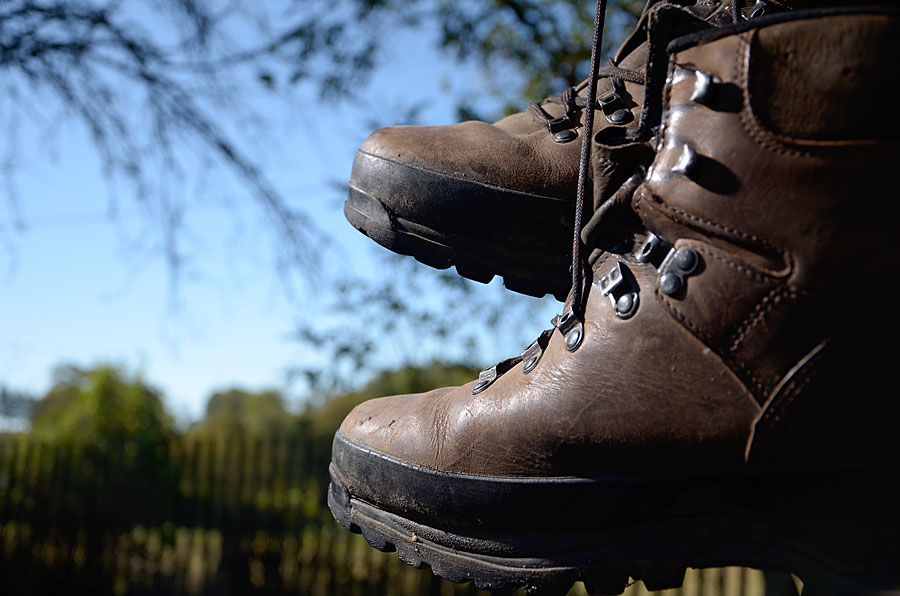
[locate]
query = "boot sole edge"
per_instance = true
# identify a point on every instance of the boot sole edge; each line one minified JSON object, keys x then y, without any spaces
{"x":527,"y":271}
{"x":651,"y":545}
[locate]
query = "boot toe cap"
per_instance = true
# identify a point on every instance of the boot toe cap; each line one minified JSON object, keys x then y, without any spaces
{"x":514,"y":159}
{"x":401,"y":426}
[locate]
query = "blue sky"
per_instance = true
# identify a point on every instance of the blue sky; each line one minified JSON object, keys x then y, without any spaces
{"x":77,"y":287}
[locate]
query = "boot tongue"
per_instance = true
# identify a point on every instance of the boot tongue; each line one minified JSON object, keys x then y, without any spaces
{"x":636,"y":59}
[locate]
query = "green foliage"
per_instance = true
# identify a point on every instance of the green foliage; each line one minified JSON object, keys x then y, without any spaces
{"x":253,"y":415}
{"x":99,"y":406}
{"x":115,"y":427}
{"x":161,"y":111}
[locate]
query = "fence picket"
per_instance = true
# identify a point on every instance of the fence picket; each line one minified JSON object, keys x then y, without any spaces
{"x":232,"y":516}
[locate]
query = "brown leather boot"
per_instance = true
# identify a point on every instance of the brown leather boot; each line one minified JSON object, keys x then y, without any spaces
{"x":722,"y":393}
{"x":498,"y":199}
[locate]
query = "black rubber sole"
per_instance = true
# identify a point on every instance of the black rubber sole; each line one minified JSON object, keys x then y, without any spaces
{"x":532,"y":273}
{"x":840,"y":546}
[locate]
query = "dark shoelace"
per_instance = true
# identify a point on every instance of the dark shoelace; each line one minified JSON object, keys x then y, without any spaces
{"x":489,"y":375}
{"x":568,"y":99}
{"x":584,"y":163}
{"x":572,"y":103}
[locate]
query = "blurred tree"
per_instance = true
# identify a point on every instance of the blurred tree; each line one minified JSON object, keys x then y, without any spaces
{"x":149,"y":80}
{"x":524,"y":50}
{"x":101,"y":406}
{"x":528,"y":49}
{"x":155,"y":83}
{"x":253,"y":415}
{"x":164,"y":88}
{"x":116,"y":427}
{"x":15,"y":405}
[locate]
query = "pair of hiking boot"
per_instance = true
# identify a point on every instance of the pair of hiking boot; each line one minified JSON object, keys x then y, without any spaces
{"x":719,"y":387}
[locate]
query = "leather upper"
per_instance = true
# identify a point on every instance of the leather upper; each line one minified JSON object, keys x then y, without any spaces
{"x":784,"y":215}
{"x":771,"y":338}
{"x":640,"y":395}
{"x":516,"y":153}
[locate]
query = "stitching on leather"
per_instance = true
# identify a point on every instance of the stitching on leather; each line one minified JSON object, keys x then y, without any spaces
{"x":759,"y":132}
{"x":761,"y":309}
{"x":773,"y":413}
{"x":752,"y":125}
{"x":747,"y":272}
{"x":773,"y":141}
{"x":806,"y":376}
{"x":737,"y":266}
{"x":776,"y":410}
{"x":699,"y":333}
{"x":757,"y":386}
{"x":660,"y":205}
{"x":774,"y":298}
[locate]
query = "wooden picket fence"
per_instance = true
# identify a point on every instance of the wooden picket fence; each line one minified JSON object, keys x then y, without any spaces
{"x":223,"y":517}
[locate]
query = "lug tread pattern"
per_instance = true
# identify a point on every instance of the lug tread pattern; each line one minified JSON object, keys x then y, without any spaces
{"x":659,"y":565}
{"x":458,"y":568}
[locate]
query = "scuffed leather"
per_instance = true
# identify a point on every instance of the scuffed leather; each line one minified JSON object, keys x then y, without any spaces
{"x":642,"y":395}
{"x":770,"y":352}
{"x":517,"y":153}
